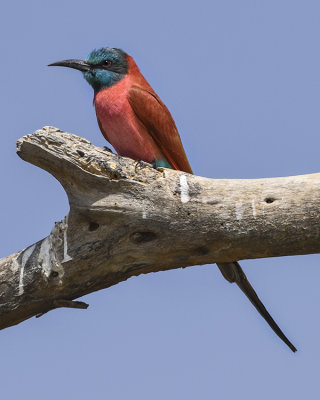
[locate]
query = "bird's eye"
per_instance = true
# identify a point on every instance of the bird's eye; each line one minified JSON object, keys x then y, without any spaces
{"x":106,"y":63}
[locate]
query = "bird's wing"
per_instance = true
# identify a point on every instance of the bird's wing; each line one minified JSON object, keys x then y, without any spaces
{"x":160,"y":125}
{"x":232,"y":272}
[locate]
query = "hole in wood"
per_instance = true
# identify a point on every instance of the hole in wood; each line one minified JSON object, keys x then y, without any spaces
{"x":269,"y":200}
{"x":81,"y":153}
{"x":202,"y":250}
{"x":93,"y":226}
{"x":143,"y":237}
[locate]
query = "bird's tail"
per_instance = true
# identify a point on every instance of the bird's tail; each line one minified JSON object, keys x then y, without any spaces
{"x":232,"y":272}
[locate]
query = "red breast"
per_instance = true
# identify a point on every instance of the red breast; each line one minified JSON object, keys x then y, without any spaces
{"x":118,"y":122}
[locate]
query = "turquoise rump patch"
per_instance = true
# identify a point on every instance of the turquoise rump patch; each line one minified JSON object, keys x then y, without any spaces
{"x":161,"y":164}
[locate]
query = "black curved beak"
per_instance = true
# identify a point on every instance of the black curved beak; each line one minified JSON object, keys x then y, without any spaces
{"x":80,"y":65}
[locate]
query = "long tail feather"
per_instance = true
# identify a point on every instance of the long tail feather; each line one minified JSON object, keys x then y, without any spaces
{"x":232,"y":272}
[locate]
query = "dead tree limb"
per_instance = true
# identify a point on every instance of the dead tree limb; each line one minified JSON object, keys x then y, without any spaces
{"x":127,"y":218}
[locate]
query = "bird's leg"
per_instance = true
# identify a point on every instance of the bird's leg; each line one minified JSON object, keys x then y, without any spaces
{"x":141,"y":164}
{"x":107,"y":149}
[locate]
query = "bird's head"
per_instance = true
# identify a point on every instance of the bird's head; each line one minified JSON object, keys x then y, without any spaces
{"x":103,"y":67}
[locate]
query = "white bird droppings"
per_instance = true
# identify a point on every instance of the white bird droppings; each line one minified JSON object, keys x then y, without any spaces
{"x":48,"y":256}
{"x":184,"y":187}
{"x":25,"y":257}
{"x":239,"y":211}
{"x":44,"y":256}
{"x":253,"y":204}
{"x":66,"y":256}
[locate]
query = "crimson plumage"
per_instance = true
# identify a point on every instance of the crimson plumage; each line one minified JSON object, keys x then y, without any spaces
{"x":136,"y":122}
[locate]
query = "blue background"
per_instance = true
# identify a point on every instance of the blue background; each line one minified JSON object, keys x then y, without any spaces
{"x":242,"y":81}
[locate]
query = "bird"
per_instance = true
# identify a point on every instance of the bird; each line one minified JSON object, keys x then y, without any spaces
{"x":134,"y":120}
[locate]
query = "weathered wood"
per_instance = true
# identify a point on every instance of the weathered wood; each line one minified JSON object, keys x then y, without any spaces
{"x":126,"y":218}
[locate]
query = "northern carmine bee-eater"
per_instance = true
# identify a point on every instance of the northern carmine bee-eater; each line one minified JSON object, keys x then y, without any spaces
{"x":138,"y":125}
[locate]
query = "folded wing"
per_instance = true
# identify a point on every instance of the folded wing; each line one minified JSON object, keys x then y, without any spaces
{"x":159,"y":123}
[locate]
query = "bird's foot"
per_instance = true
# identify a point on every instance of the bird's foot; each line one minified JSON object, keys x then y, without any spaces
{"x":107,"y":149}
{"x":142,"y":164}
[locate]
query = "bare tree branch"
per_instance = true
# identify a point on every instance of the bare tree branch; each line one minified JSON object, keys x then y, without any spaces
{"x":126,"y":218}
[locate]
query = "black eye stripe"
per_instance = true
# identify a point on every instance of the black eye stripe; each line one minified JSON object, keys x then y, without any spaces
{"x":111,"y":66}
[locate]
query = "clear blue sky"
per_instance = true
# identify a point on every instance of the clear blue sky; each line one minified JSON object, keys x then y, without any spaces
{"x":242,"y":81}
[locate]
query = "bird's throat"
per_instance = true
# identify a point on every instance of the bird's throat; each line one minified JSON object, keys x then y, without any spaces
{"x":101,"y":79}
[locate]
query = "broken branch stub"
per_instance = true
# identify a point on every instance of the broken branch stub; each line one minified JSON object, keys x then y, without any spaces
{"x":127,"y":218}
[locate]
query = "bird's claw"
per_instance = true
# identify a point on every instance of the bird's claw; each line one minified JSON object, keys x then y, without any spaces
{"x":107,"y":149}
